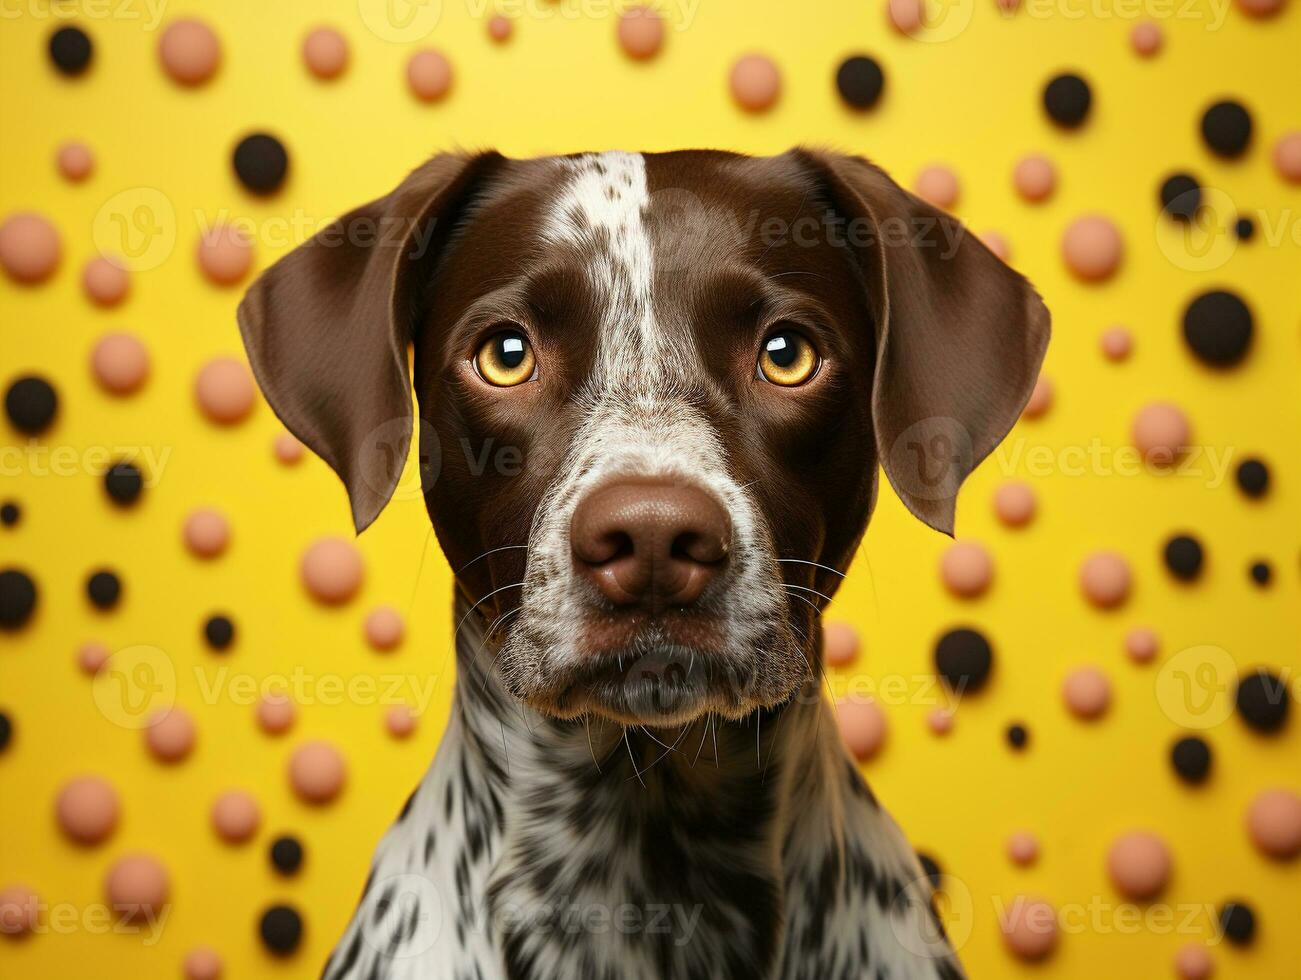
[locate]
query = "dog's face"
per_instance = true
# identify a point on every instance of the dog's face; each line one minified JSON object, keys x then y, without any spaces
{"x":654,"y":390}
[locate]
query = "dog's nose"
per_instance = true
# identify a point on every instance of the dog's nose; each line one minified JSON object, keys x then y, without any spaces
{"x":650,"y":544}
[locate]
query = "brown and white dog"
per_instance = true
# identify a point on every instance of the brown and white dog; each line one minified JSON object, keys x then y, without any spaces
{"x":700,"y":358}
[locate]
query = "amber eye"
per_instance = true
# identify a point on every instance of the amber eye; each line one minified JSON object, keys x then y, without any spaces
{"x":506,"y":359}
{"x":787,"y":359}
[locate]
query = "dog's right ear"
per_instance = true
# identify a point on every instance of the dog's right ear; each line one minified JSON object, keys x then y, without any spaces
{"x":327,"y":327}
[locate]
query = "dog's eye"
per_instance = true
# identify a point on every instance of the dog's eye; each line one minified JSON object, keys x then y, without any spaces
{"x":787,"y":359}
{"x":506,"y":360}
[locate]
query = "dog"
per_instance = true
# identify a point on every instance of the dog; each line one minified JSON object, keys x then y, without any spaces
{"x":701,"y":358}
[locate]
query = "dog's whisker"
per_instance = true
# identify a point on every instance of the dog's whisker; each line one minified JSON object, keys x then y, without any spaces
{"x":631,"y":758}
{"x":490,"y":551}
{"x":802,"y":588}
{"x":587,"y":724}
{"x":816,"y":608}
{"x":420,"y":570}
{"x":713,"y":727}
{"x":704,"y":730}
{"x":667,"y":748}
{"x":815,"y":564}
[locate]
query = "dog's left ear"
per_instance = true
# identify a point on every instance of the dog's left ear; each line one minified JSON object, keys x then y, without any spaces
{"x":327,"y":327}
{"x":959,"y":335}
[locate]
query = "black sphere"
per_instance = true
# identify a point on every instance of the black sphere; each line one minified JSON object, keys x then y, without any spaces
{"x":6,"y":730}
{"x":219,"y":632}
{"x":71,"y":50}
{"x":1183,"y":557}
{"x":10,"y":513}
{"x":1181,"y":196}
{"x":1067,"y":99}
{"x":104,"y":589}
{"x":860,"y":81}
{"x":281,"y":928}
{"x":123,"y":481}
{"x":1017,"y":736}
{"x":1226,"y":128}
{"x":286,"y":854}
{"x":1263,"y":701}
{"x":1218,"y":327}
{"x":1238,"y":922}
{"x":964,"y":659}
{"x":31,"y":404}
{"x":261,"y":163}
{"x":1191,"y":758}
{"x":18,"y":595}
{"x":1253,"y":477}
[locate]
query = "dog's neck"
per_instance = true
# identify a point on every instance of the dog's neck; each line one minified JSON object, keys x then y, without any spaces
{"x":744,"y":848}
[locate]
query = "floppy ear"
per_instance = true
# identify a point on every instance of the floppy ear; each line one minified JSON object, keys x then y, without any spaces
{"x":327,"y":327}
{"x":959,"y":335}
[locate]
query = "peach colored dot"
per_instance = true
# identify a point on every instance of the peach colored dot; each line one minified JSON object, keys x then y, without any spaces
{"x":1035,"y":178}
{"x":383,"y":628}
{"x":1161,"y":432}
{"x":75,"y":160}
{"x":325,"y":52}
{"x":202,"y":963}
{"x":400,"y":721}
{"x":997,"y":243}
{"x":1261,"y":8}
{"x":840,"y":644}
{"x":1009,"y":6}
{"x":29,"y":247}
{"x":235,"y":816}
{"x":332,"y":570}
{"x":206,"y":532}
{"x":1023,"y":848}
{"x":1014,"y":503}
{"x":1139,"y":864}
{"x":500,"y":28}
{"x":189,"y":51}
{"x":170,"y":735}
{"x":287,"y":449}
{"x":225,"y":391}
{"x":966,"y":569}
{"x":105,"y":281}
{"x":1087,"y":692}
{"x":1041,"y":398}
{"x":906,"y":15}
{"x":225,"y":254}
{"x":862,"y":725}
{"x":91,"y":657}
{"x":756,"y":82}
{"x":275,"y":713}
{"x":1194,"y":962}
{"x":938,"y":184}
{"x":641,"y":32}
{"x":429,"y":74}
{"x":120,"y":363}
{"x":1274,"y":823}
{"x":137,"y":886}
{"x":1093,"y":248}
{"x":1105,"y":579}
{"x":20,"y":909}
{"x":1029,"y":927}
{"x":1287,"y":156}
{"x":87,"y":809}
{"x":1146,"y":39}
{"x":1116,"y":343}
{"x":1141,"y":644}
{"x":939,"y":721}
{"x":316,"y":772}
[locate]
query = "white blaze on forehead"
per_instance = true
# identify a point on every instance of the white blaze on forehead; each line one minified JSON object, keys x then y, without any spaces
{"x":600,"y":210}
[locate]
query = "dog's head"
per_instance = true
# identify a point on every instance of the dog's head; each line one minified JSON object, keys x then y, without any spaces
{"x":654,"y":390}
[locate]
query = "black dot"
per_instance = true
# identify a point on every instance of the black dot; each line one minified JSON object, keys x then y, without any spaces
{"x":281,"y":928}
{"x":104,"y":589}
{"x":1191,"y":758}
{"x":286,"y":854}
{"x":1218,"y":327}
{"x":124,"y":482}
{"x":70,"y":50}
{"x":219,"y":631}
{"x":1067,"y":99}
{"x":10,"y":513}
{"x":1245,"y":229}
{"x":1261,"y":572}
{"x":932,"y":867}
{"x":6,"y":730}
{"x":1183,"y":556}
{"x":860,"y":81}
{"x":31,"y":404}
{"x":1226,"y":127}
{"x":18,"y":595}
{"x":1253,"y":477}
{"x":1017,"y":736}
{"x":1238,"y":922}
{"x":261,"y":163}
{"x":964,"y":659}
{"x":1262,"y":700}
{"x":1181,"y":196}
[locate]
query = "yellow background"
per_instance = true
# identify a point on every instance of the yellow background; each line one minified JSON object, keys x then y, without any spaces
{"x":561,"y":84}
